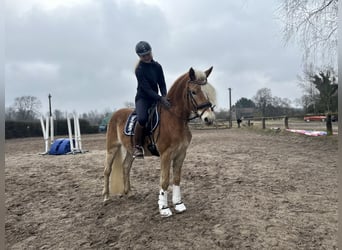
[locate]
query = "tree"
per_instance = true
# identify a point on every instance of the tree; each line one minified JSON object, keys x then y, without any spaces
{"x":314,"y":24}
{"x":262,"y":99}
{"x":310,"y":95}
{"x":221,"y":114}
{"x":326,"y":84}
{"x":244,"y":108}
{"x":245,"y":103}
{"x":320,"y":90}
{"x":93,"y":117}
{"x":27,"y":107}
{"x":58,"y":114}
{"x":10,"y":114}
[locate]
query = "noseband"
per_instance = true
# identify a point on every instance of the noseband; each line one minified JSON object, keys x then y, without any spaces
{"x":195,"y":105}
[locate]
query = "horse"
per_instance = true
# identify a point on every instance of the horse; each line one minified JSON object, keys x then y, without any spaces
{"x":191,"y":96}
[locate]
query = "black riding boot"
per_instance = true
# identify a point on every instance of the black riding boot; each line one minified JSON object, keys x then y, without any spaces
{"x":138,"y":151}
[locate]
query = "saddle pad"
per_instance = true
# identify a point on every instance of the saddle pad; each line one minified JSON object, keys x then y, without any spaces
{"x":151,"y":125}
{"x":130,"y":124}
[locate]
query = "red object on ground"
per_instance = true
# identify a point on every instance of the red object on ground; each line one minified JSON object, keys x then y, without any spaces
{"x":314,"y":118}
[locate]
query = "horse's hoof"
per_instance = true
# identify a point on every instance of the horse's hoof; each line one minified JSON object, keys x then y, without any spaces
{"x":106,"y":200}
{"x":180,"y":208}
{"x":165,"y":212}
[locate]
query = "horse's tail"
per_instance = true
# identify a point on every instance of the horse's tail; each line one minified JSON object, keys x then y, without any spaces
{"x":116,"y":183}
{"x":115,"y":155}
{"x":118,"y":159}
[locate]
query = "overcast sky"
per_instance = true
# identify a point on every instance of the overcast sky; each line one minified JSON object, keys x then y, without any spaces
{"x":82,"y":51}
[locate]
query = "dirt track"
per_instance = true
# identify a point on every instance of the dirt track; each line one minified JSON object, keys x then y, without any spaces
{"x":244,"y":189}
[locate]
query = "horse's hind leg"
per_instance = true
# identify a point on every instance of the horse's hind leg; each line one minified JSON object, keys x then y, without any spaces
{"x":176,"y":193}
{"x":127,"y":169}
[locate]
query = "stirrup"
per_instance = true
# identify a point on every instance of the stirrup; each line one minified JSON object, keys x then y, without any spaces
{"x":138,"y":152}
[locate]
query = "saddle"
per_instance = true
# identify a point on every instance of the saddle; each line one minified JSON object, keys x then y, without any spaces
{"x":152,"y":124}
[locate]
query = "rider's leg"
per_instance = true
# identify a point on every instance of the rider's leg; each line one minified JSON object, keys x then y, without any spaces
{"x":141,"y":108}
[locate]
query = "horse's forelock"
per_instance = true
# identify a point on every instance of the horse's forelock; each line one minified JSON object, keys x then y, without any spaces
{"x":200,"y":75}
{"x":207,"y":88}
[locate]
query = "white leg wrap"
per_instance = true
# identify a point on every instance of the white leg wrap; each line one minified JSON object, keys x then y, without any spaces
{"x":164,"y":210}
{"x":176,"y":195}
{"x":162,"y":202}
{"x":177,"y":200}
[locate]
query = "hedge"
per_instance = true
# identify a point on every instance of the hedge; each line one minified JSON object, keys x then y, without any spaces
{"x":20,"y":129}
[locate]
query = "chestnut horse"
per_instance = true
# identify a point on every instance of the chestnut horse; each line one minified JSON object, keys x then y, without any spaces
{"x":190,"y":96}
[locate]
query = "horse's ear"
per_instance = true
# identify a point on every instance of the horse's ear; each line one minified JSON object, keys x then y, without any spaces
{"x":208,"y":71}
{"x":192,"y":74}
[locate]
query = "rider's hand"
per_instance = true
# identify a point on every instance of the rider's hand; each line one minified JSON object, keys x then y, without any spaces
{"x":165,"y":102}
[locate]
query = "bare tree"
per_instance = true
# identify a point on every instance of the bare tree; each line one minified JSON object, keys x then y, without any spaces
{"x":10,"y":114}
{"x":262,"y":99}
{"x":313,"y":23}
{"x":58,"y":114}
{"x":27,"y":107}
{"x":310,"y":93}
{"x":93,"y":117}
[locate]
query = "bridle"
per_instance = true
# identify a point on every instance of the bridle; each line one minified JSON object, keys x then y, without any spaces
{"x":195,"y":105}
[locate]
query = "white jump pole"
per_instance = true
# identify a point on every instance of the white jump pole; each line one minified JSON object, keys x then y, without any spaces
{"x":77,"y":132}
{"x":48,"y":129}
{"x":45,"y":134}
{"x":45,"y":128}
{"x":72,"y":148}
{"x":77,"y":146}
{"x":52,"y":129}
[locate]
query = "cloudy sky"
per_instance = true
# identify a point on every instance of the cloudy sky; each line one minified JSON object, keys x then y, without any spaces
{"x":82,"y":51}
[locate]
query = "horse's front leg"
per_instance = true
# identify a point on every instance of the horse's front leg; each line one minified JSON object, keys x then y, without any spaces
{"x":164,"y":209}
{"x":176,"y":193}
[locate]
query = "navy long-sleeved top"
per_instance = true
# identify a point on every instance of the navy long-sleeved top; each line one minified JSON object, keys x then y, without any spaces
{"x":150,"y":77}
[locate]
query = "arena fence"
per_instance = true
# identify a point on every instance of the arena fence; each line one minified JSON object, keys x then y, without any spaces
{"x":275,"y":122}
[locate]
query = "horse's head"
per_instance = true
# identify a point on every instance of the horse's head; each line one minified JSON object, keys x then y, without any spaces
{"x":201,"y":95}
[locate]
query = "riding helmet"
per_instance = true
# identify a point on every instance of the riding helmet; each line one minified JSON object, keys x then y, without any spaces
{"x":142,"y":48}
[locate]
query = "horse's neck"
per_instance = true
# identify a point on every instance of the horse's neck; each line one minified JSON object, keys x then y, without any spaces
{"x":179,"y":101}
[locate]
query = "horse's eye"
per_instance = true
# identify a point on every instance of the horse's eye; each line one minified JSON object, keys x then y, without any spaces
{"x":193,"y":92}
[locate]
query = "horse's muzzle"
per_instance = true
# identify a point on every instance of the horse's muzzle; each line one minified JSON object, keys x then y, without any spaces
{"x":208,"y":117}
{"x":207,"y":121}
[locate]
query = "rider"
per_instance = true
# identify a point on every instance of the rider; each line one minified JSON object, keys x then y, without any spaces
{"x":150,"y":77}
